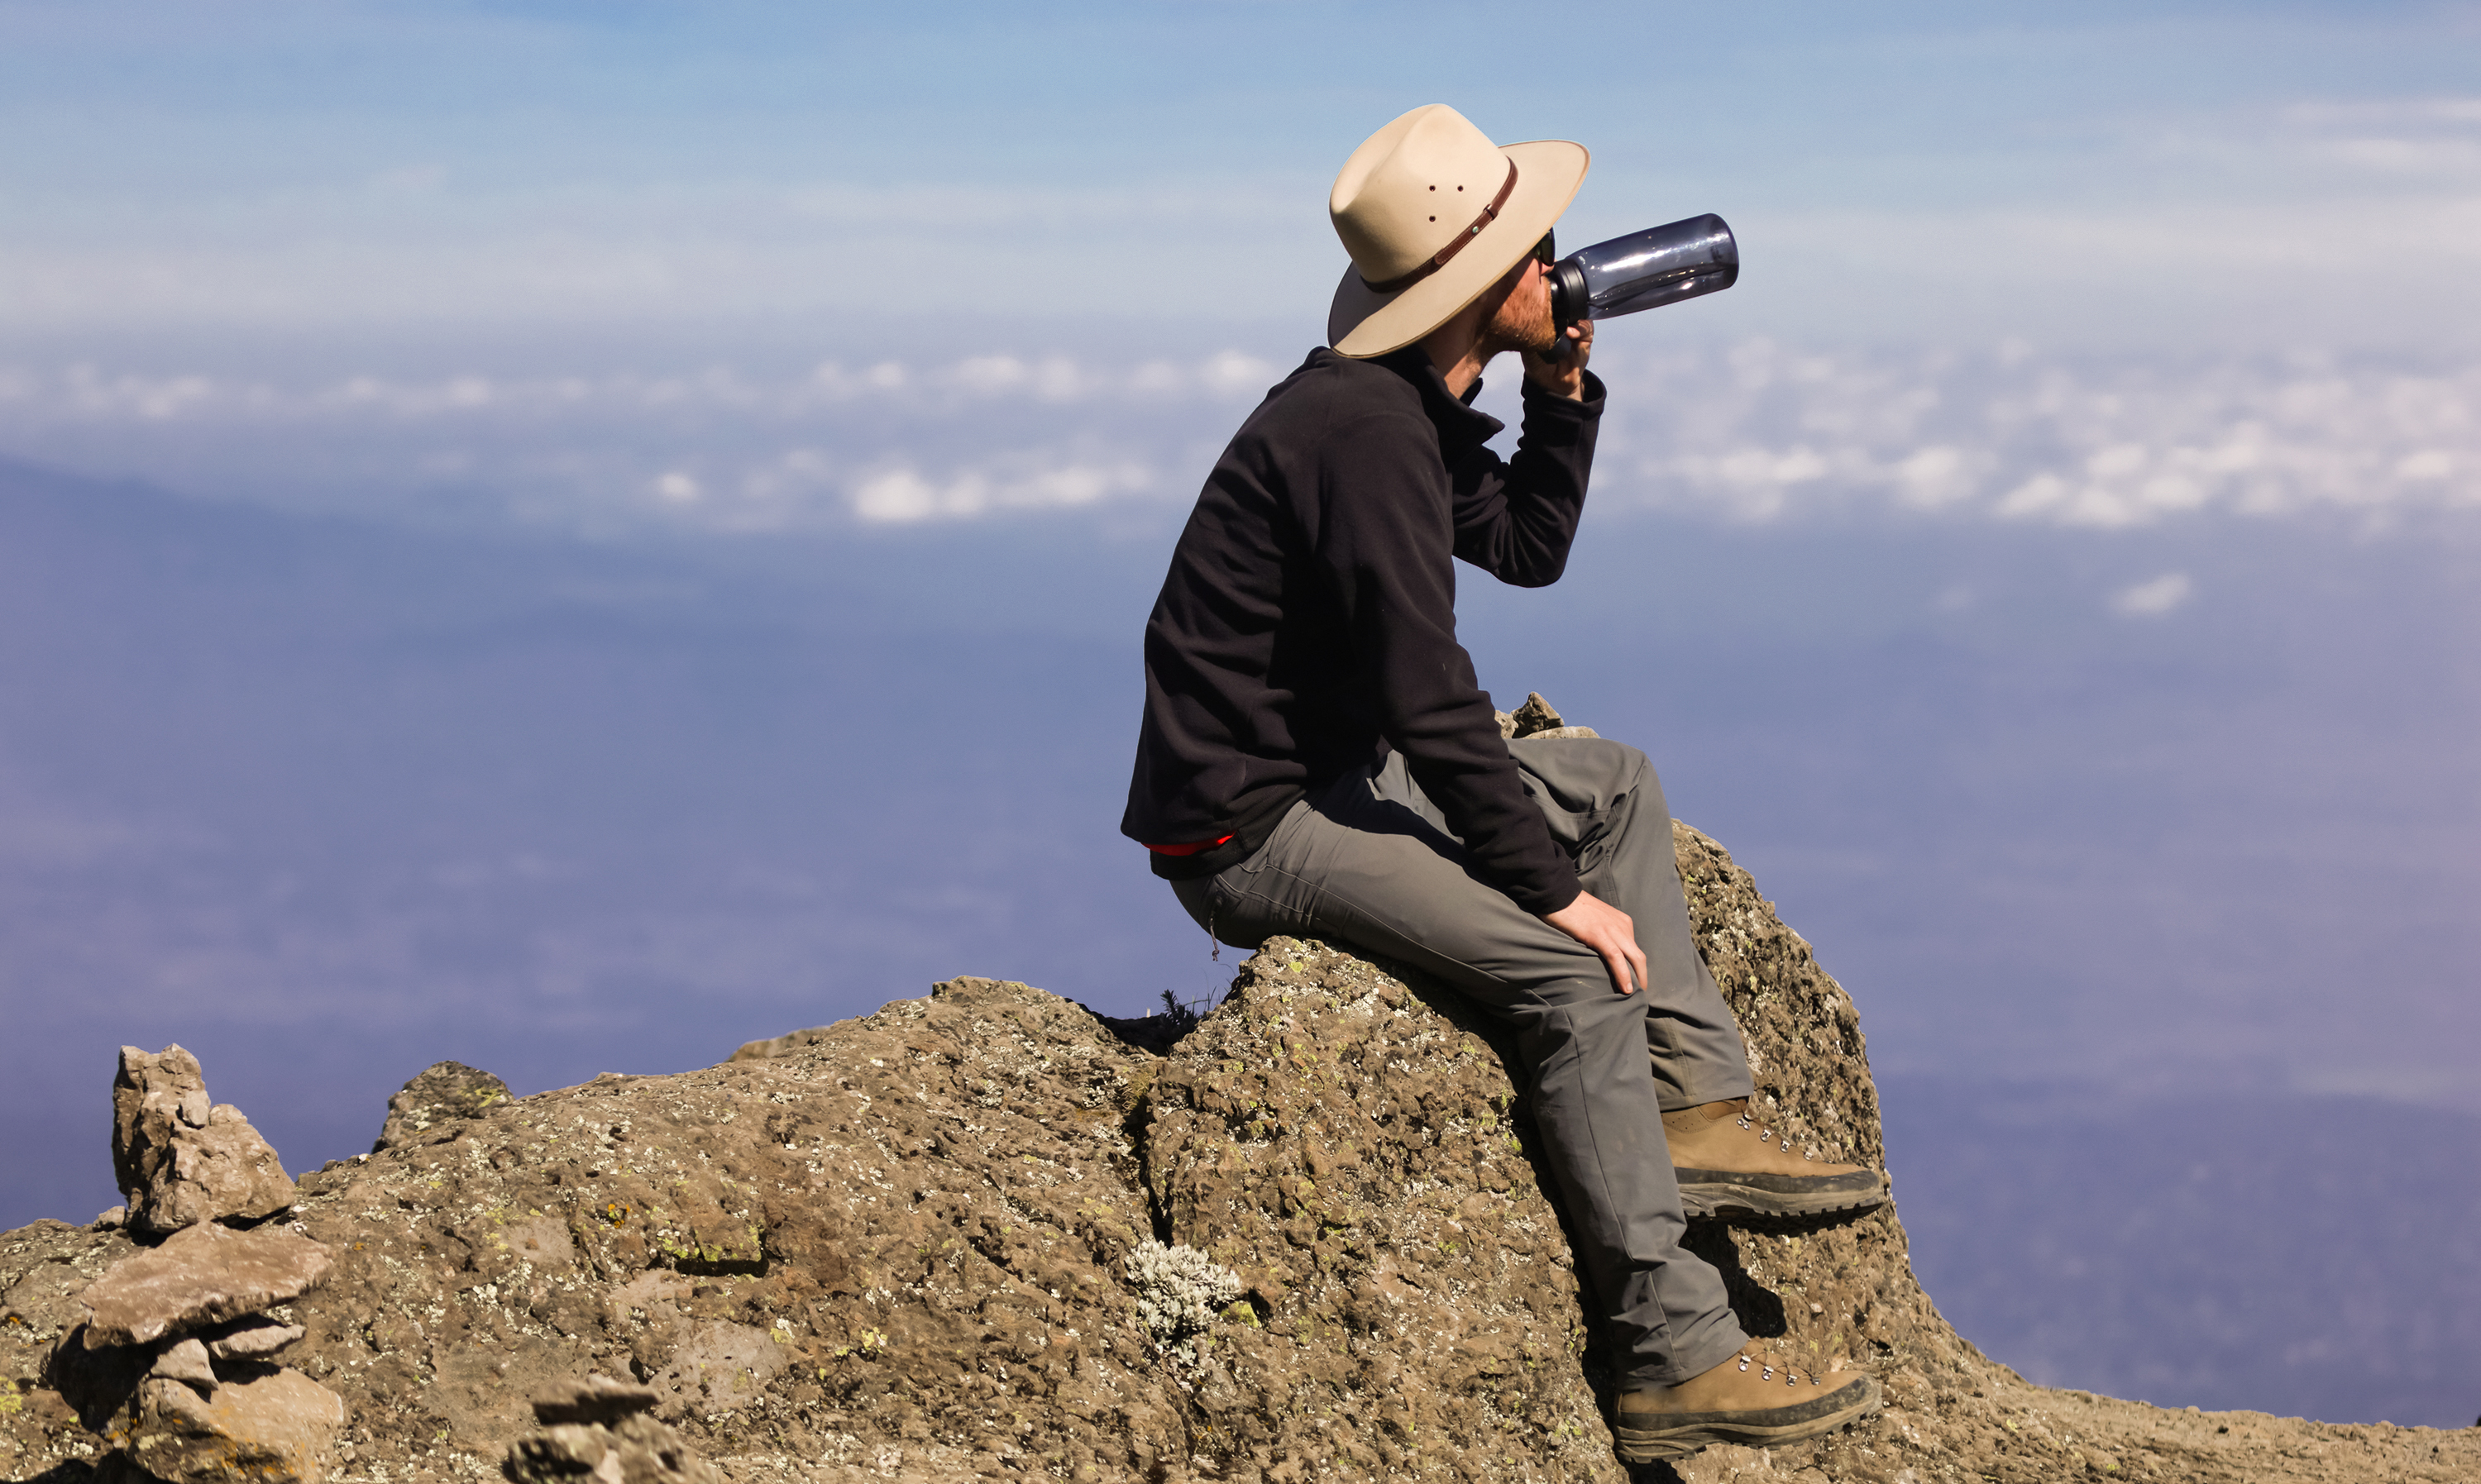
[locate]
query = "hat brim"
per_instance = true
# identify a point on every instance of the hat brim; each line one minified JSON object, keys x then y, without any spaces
{"x":1363,"y":322}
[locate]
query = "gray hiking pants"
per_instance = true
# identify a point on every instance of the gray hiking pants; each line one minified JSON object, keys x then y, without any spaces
{"x":1369,"y":862}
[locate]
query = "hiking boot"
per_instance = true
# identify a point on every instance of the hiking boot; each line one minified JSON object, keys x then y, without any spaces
{"x":1732,"y":1168}
{"x":1752,"y":1399}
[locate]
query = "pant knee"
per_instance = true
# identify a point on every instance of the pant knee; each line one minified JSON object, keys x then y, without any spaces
{"x":1636,"y":772}
{"x":1588,"y":1024}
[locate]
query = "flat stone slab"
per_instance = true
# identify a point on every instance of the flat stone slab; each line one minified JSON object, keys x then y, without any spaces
{"x":198,"y":1277}
{"x":250,"y":1338}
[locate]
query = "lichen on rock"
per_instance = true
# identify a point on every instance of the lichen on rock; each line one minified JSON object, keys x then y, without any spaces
{"x":1181,"y":1293}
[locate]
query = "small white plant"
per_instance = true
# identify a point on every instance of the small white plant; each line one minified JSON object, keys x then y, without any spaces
{"x":1180,"y":1292}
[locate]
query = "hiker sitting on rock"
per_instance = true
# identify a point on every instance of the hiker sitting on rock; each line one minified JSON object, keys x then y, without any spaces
{"x":1319,"y":759}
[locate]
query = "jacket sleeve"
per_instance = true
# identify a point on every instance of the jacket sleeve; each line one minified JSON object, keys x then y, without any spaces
{"x":1387,"y":553}
{"x":1515,"y":518}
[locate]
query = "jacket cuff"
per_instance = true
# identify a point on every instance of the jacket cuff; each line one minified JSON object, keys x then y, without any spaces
{"x":1537,"y":401}
{"x":1544,"y":898}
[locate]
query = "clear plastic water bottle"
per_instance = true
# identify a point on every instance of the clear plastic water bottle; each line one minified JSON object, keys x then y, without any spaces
{"x":1661,"y":265}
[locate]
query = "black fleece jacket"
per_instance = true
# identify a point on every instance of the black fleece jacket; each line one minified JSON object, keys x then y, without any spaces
{"x":1309,"y":621}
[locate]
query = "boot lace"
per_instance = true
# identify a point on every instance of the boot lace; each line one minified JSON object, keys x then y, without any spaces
{"x":1766,"y":1369}
{"x":1764,"y":1135}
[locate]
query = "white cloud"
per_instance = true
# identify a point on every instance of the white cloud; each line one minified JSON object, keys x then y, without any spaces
{"x":1053,"y":379}
{"x":902,"y":495}
{"x":2426,"y":464}
{"x":1932,"y":476}
{"x":2153,"y":598}
{"x":2406,"y":156}
{"x":2400,"y":141}
{"x":990,"y":374}
{"x":1230,"y":374}
{"x":1756,"y":483}
{"x":2386,"y":112}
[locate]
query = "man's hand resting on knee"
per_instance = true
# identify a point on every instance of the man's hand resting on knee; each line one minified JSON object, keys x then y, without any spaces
{"x":1608,"y":931}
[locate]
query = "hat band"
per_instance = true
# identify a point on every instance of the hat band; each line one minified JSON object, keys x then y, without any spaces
{"x":1489,"y":214}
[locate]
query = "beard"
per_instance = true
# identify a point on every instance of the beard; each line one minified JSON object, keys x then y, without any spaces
{"x":1512,"y":328}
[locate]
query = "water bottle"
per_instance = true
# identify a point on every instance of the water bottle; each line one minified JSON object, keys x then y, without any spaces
{"x":1661,"y":265}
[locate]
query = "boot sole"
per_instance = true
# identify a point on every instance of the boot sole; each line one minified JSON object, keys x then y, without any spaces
{"x":1776,"y":1211}
{"x":1698,"y":1432}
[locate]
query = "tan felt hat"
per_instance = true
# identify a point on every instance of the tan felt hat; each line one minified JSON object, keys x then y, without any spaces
{"x":1433,"y":213}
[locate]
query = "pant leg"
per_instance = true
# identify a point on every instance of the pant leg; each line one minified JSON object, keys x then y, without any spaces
{"x":1370,"y":870}
{"x":1605,"y":806}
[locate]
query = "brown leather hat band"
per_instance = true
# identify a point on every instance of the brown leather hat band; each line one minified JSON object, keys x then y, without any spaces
{"x":1489,"y":214}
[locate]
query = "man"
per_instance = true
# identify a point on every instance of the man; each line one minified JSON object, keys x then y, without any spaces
{"x":1316,"y":759}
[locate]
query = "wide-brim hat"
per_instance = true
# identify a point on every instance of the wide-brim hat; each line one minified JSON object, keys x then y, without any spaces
{"x":1434,"y":213}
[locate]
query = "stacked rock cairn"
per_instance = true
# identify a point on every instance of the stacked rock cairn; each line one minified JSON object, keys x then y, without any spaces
{"x":176,"y":1365}
{"x":177,"y":1362}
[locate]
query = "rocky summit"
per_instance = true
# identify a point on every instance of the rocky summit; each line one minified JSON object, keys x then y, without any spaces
{"x":986,"y":1234}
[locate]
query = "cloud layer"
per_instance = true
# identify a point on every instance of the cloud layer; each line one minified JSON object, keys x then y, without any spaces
{"x":1755,"y":433}
{"x":1763,"y":432}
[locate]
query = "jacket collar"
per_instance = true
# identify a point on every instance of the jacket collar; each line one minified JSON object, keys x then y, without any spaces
{"x":1461,"y":427}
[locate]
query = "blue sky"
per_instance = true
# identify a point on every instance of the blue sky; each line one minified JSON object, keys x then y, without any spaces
{"x":2124,"y":175}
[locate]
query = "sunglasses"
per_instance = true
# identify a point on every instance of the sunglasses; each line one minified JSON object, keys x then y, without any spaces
{"x":1547,"y":252}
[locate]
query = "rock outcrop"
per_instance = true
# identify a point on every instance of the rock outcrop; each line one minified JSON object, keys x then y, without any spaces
{"x":443,"y":1092}
{"x":181,"y":1158}
{"x":1536,"y":718}
{"x":980,"y":1235}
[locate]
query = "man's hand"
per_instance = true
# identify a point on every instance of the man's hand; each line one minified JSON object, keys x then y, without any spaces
{"x":1606,"y":930}
{"x":1565,"y":375}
